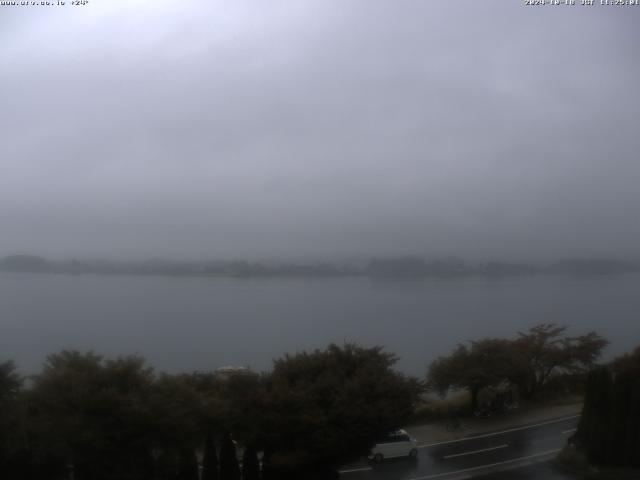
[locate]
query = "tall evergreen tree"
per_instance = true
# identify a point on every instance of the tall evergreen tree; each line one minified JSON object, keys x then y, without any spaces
{"x":210,"y":460}
{"x":609,"y":429}
{"x":229,"y":468}
{"x":10,"y":424}
{"x":250,"y":464}
{"x":626,"y":421}
{"x":594,"y":424}
{"x":187,"y":465}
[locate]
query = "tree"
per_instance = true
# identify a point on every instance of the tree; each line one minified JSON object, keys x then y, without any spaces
{"x":229,"y":468}
{"x":93,"y":414}
{"x":236,"y":404}
{"x":626,"y":422}
{"x":484,"y":363}
{"x":176,"y":430}
{"x":326,"y":407}
{"x":10,"y":382}
{"x":544,"y":351}
{"x":187,"y":464}
{"x":210,"y":459}
{"x":10,"y":418}
{"x":527,"y":362}
{"x":250,"y":464}
{"x":594,"y":423}
{"x":609,"y":428}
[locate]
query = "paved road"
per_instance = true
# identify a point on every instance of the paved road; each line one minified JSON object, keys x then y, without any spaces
{"x":538,"y":471}
{"x":490,"y":456}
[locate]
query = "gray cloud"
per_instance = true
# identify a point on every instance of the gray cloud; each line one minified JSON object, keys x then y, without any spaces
{"x":196,"y":129}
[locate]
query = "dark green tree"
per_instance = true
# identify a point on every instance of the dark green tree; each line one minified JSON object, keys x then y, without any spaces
{"x":236,"y":404}
{"x":187,"y":464}
{"x":326,"y":407}
{"x":609,"y":429}
{"x":177,"y":410}
{"x":10,"y":382}
{"x":626,"y":423}
{"x":11,"y":418}
{"x":544,"y":351}
{"x":229,"y":468}
{"x":250,"y":464}
{"x":210,"y":459}
{"x":594,"y":423}
{"x":482,"y":364}
{"x":527,"y":362}
{"x":92,"y":413}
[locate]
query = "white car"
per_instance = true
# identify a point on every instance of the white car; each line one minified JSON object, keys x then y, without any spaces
{"x":396,"y":444}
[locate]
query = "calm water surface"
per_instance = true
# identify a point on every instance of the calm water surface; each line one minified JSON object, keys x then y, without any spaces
{"x":203,"y":323}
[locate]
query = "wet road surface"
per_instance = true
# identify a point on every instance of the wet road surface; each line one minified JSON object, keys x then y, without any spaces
{"x":521,"y":452}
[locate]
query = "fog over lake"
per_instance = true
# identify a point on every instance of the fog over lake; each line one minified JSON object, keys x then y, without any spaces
{"x":304,"y":131}
{"x":185,"y":324}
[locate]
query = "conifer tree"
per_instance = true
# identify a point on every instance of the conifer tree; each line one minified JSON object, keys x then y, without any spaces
{"x":609,"y":428}
{"x":250,"y":465}
{"x":229,"y":468}
{"x":210,"y":460}
{"x":593,"y":429}
{"x":188,"y":465}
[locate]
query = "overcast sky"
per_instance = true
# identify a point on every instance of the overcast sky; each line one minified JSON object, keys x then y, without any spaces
{"x":319,"y":128}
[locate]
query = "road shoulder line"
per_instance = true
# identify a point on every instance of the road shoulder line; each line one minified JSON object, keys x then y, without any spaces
{"x":509,"y":430}
{"x":525,"y":461}
{"x":482,"y":450}
{"x":354,"y":470}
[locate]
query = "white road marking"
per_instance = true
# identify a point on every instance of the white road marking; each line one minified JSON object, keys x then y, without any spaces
{"x":353,"y":470}
{"x":490,"y":465}
{"x":571,"y":430}
{"x":550,"y":422}
{"x":475,"y":451}
{"x":485,"y":435}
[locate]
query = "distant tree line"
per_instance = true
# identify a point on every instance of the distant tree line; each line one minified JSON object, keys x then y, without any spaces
{"x":394,"y":267}
{"x":91,"y":418}
{"x":527,"y":364}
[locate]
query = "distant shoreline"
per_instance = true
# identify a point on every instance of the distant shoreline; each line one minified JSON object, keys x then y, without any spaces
{"x":389,"y":267}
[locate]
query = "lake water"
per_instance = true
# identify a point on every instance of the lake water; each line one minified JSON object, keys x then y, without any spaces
{"x":184,"y":324}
